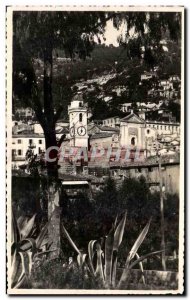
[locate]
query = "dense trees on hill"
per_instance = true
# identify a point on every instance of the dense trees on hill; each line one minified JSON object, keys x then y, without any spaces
{"x":66,"y":75}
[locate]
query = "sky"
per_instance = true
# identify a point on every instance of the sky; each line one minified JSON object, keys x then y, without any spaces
{"x":111,"y":33}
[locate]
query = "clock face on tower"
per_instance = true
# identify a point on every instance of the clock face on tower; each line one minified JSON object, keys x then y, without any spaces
{"x":81,"y":130}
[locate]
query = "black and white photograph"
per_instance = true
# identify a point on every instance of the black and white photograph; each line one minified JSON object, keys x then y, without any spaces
{"x":95,"y":150}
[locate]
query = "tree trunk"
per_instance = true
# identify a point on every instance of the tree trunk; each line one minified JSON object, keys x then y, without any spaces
{"x":52,"y":166}
{"x":54,"y":209}
{"x":54,"y":212}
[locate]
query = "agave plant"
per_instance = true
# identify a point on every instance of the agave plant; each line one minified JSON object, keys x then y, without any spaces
{"x":24,"y":249}
{"x":102,"y":263}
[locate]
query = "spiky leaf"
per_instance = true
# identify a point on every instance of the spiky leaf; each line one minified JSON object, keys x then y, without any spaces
{"x":15,"y":233}
{"x":108,"y":257}
{"x":43,"y":233}
{"x":27,"y":244}
{"x":26,"y":230}
{"x":81,"y":259}
{"x":91,"y":255}
{"x":14,"y":268}
{"x":118,"y":235}
{"x":144,"y":257}
{"x":70,"y":239}
{"x":99,"y":266}
{"x":141,"y":268}
{"x":139,"y":241}
{"x":132,"y":253}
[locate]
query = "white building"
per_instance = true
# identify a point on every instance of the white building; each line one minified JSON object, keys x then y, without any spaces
{"x":25,"y":112}
{"x":166,"y":84}
{"x":21,"y":143}
{"x":174,"y":78}
{"x":37,"y":128}
{"x":135,"y":131}
{"x":112,"y":122}
{"x":165,"y":128}
{"x":126,"y":107}
{"x":60,"y":127}
{"x":132,"y":131}
{"x":78,"y":122}
{"x":147,"y":75}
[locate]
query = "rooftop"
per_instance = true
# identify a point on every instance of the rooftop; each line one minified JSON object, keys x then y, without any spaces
{"x":100,"y":135}
{"x":69,"y":177}
{"x":28,"y":135}
{"x":115,"y":117}
{"x":162,"y":122}
{"x":107,"y":128}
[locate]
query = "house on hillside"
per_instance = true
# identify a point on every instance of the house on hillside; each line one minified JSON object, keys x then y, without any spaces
{"x":112,"y":122}
{"x":125,"y":107}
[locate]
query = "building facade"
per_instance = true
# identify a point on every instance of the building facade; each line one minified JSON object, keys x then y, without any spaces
{"x":136,"y":131}
{"x":78,"y":122}
{"x":132,"y":131}
{"x":20,"y":145}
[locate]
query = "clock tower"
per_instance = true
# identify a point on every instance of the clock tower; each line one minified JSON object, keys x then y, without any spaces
{"x":78,"y":122}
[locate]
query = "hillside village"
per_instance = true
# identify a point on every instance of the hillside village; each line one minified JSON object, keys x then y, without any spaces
{"x":148,"y":129}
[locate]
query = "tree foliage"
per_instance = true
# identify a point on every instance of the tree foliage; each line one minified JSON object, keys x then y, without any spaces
{"x":148,"y":29}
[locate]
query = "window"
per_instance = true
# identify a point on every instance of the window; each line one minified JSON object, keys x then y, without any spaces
{"x":148,"y":131}
{"x":161,"y":127}
{"x":80,"y":117}
{"x":80,"y":104}
{"x":39,"y":150}
{"x":157,"y":126}
{"x":19,"y":141}
{"x":40,"y":141}
{"x":133,"y":141}
{"x":30,"y":141}
{"x":165,"y":127}
{"x":19,"y":152}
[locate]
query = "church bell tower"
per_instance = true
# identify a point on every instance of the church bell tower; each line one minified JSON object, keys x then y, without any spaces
{"x":78,"y":122}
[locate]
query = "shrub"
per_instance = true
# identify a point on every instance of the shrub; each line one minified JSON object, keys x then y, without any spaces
{"x":101,"y":265}
{"x":25,"y":249}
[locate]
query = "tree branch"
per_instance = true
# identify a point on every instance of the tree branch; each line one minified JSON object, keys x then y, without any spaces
{"x":58,"y":113}
{"x":37,"y":106}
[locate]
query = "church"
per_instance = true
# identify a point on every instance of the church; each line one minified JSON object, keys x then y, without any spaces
{"x":133,"y":131}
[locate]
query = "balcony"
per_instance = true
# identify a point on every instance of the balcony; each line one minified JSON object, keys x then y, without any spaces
{"x":18,"y":158}
{"x":32,"y":145}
